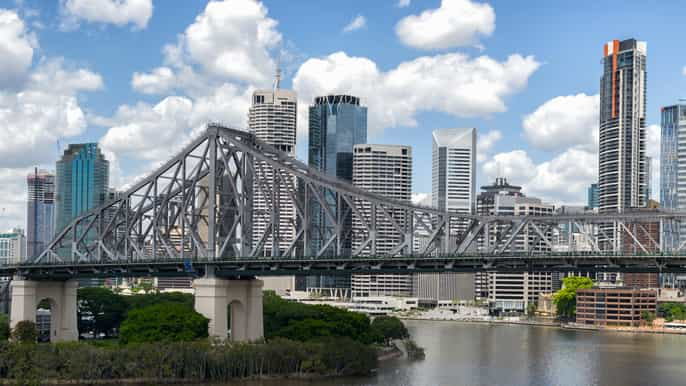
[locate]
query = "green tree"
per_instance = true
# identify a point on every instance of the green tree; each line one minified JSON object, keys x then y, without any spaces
{"x":100,"y":310}
{"x":390,"y":328}
{"x":165,"y":322}
{"x":648,"y":316}
{"x":140,"y":301}
{"x":25,"y":332}
{"x":4,"y":327}
{"x":565,"y":299}
{"x":672,"y":311}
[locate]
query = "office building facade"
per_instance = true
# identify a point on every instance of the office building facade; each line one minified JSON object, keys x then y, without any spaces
{"x":40,"y":211}
{"x":673,"y":168}
{"x":82,"y":182}
{"x":336,"y":124}
{"x":614,"y":306}
{"x":453,"y":184}
{"x":273,"y":119}
{"x":592,"y":196}
{"x":12,"y":247}
{"x":512,"y":292}
{"x":622,"y":165}
{"x":385,"y":170}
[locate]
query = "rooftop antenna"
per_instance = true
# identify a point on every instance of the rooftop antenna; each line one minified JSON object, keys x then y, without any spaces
{"x":277,"y":76}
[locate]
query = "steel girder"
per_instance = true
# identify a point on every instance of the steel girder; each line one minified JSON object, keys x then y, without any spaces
{"x":200,"y":205}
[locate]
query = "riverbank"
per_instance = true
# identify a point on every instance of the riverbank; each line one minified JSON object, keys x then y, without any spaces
{"x":554,"y":324}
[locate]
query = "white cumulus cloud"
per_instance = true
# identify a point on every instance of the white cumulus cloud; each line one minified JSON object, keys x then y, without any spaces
{"x":403,"y":3}
{"x":456,"y":23}
{"x":117,"y":12}
{"x":563,"y":179}
{"x":358,"y":22}
{"x":485,"y":143}
{"x":452,"y":83}
{"x":47,"y":109}
{"x":158,"y":81}
{"x":564,"y":121}
{"x":16,"y":49}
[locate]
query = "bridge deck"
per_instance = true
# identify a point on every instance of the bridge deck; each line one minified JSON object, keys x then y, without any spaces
{"x":269,"y":266}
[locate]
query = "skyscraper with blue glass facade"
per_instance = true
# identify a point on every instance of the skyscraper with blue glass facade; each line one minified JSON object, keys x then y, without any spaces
{"x":592,"y":196}
{"x":40,"y":211}
{"x":82,"y":182}
{"x":672,"y":169}
{"x":336,"y":124}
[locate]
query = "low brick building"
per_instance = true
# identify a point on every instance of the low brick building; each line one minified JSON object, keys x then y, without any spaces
{"x":614,"y":306}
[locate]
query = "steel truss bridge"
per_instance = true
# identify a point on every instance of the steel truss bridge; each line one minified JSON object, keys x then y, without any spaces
{"x":194,"y":215}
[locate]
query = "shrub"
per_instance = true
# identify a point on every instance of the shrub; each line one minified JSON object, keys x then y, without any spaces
{"x":25,"y":332}
{"x":165,"y":322}
{"x":4,"y":327}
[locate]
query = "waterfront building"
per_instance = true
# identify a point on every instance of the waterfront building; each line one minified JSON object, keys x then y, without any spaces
{"x":512,"y":292}
{"x":592,"y":196}
{"x":12,"y":246}
{"x":273,"y":119}
{"x":673,"y":168}
{"x":614,"y":306}
{"x":336,"y":124}
{"x":40,"y":211}
{"x":385,"y":170}
{"x":82,"y":182}
{"x":447,"y":286}
{"x":622,"y":165}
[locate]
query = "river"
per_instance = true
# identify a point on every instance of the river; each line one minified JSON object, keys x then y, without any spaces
{"x":481,"y":354}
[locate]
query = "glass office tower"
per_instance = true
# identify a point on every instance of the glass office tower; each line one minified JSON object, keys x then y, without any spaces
{"x":40,"y":211}
{"x":336,"y":124}
{"x":673,"y":166}
{"x":82,"y":182}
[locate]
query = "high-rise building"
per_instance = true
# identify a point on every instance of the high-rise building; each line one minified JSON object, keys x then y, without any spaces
{"x":512,"y":292}
{"x":336,"y":124}
{"x":40,"y":211}
{"x":453,"y":184}
{"x":649,"y":179}
{"x":453,"y":170}
{"x":82,"y":182}
{"x":673,"y":169}
{"x":385,"y":170}
{"x":12,"y":247}
{"x":273,"y":119}
{"x":622,"y":165}
{"x":592,"y":196}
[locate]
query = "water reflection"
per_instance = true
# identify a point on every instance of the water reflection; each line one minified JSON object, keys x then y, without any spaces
{"x":478,"y":354}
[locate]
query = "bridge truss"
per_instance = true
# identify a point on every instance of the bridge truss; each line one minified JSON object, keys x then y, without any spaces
{"x":199,"y":207}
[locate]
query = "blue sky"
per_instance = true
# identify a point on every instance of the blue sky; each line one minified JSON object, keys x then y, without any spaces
{"x":141,"y":76}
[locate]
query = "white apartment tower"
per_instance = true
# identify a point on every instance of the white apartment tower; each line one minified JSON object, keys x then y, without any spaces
{"x":385,"y":170}
{"x":273,"y":119}
{"x":622,"y":174}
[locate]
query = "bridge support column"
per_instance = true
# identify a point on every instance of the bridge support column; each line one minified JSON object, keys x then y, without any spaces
{"x":26,"y":295}
{"x":212,"y":298}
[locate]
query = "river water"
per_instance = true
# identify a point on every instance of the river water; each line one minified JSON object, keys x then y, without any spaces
{"x":481,"y":354}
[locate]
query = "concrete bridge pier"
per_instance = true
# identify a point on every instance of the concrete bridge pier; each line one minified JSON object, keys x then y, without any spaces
{"x":27,"y":294}
{"x":212,"y":298}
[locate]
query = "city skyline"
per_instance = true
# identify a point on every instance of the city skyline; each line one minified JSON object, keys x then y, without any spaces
{"x":126,"y":109}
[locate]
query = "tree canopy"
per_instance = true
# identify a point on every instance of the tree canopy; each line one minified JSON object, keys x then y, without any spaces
{"x":100,"y":310}
{"x":389,"y":328}
{"x":672,"y":311}
{"x":164,"y":322}
{"x":565,"y":299}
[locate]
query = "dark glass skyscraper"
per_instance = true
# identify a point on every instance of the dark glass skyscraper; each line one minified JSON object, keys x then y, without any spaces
{"x":82,"y":182}
{"x":336,"y":124}
{"x":40,"y":211}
